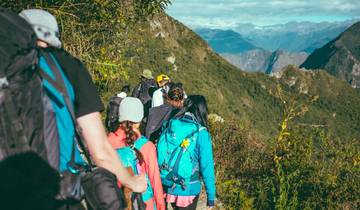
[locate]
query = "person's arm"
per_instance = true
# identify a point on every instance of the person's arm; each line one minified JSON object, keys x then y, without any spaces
{"x":153,"y":172}
{"x":207,"y":165}
{"x":103,"y":154}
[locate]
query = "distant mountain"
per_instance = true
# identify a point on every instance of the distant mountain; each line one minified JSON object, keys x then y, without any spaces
{"x":252,"y":61}
{"x":225,"y":41}
{"x":340,"y":57}
{"x":293,"y":36}
{"x":280,"y":59}
{"x":265,"y":61}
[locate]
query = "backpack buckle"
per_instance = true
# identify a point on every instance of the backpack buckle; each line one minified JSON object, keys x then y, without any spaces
{"x":164,"y":166}
{"x":182,"y":183}
{"x":4,"y":82}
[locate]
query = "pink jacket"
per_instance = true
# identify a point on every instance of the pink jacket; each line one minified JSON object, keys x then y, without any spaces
{"x":150,"y":166}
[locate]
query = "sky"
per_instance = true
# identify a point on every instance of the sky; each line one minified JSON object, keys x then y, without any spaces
{"x":228,"y":13}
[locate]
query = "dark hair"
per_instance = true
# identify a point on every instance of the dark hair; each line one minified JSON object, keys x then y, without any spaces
{"x":131,"y":137}
{"x":126,"y":89}
{"x":175,"y":95}
{"x":196,"y":104}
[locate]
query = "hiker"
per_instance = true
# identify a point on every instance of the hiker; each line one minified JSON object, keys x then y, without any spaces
{"x":145,"y":89}
{"x":112,"y":110}
{"x":136,"y":151}
{"x":158,"y":96}
{"x":174,"y":101}
{"x":185,"y":153}
{"x":69,"y":100}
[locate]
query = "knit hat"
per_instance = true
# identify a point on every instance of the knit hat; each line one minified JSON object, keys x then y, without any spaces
{"x":44,"y":25}
{"x":131,"y":109}
{"x":147,"y":74}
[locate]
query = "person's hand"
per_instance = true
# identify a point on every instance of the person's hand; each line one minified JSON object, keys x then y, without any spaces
{"x":138,"y":183}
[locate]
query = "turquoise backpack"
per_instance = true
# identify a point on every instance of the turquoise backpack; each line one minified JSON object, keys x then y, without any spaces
{"x":64,"y":122}
{"x":129,"y":159}
{"x":176,"y":153}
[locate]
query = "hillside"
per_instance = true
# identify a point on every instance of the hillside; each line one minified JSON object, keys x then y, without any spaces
{"x":265,"y":61}
{"x":116,"y":54}
{"x":238,"y":95}
{"x":340,"y":57}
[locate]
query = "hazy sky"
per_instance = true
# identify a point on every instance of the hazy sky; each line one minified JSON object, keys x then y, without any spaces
{"x":227,"y":13}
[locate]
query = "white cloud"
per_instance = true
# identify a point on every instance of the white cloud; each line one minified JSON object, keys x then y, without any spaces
{"x":226,"y":13}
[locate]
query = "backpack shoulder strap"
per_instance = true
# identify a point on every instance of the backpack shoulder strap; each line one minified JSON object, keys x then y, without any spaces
{"x":140,"y":142}
{"x":59,"y":84}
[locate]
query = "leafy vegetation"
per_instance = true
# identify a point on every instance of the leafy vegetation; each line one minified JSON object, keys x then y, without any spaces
{"x":304,"y":169}
{"x":310,"y":161}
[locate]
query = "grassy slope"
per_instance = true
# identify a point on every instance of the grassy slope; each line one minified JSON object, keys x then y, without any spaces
{"x":245,"y":96}
{"x":231,"y":93}
{"x":116,"y":54}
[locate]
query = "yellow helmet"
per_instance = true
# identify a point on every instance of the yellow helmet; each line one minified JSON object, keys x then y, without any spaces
{"x":162,"y":77}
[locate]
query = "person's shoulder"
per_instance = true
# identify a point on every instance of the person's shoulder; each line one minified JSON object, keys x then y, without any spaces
{"x":147,"y":144}
{"x":66,"y":58}
{"x":204,"y":133}
{"x":61,"y":53}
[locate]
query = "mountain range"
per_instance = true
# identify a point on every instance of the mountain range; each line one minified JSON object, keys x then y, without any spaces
{"x":269,"y":48}
{"x":225,"y":41}
{"x":340,"y":57}
{"x":293,"y":36}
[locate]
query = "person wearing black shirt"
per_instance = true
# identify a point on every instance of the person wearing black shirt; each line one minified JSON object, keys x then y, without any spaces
{"x":87,"y":104}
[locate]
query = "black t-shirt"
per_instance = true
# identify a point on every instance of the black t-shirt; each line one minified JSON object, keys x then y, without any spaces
{"x":87,"y":99}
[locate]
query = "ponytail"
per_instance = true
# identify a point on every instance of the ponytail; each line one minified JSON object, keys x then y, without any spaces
{"x":131,"y":137}
{"x":175,"y":95}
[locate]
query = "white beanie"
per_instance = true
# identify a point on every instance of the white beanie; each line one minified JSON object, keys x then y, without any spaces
{"x":131,"y":109}
{"x":44,"y":25}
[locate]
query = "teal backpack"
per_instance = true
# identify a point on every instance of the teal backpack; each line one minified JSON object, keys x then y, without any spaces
{"x":176,"y":153}
{"x":129,"y":159}
{"x":53,"y":75}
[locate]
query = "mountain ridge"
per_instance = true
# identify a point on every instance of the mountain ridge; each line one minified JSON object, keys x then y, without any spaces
{"x":225,"y":41}
{"x":265,"y":61}
{"x":340,"y":57}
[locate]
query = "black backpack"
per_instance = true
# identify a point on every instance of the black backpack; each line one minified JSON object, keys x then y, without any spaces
{"x":112,"y":114}
{"x":27,"y":118}
{"x":22,"y":105}
{"x":144,"y":90}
